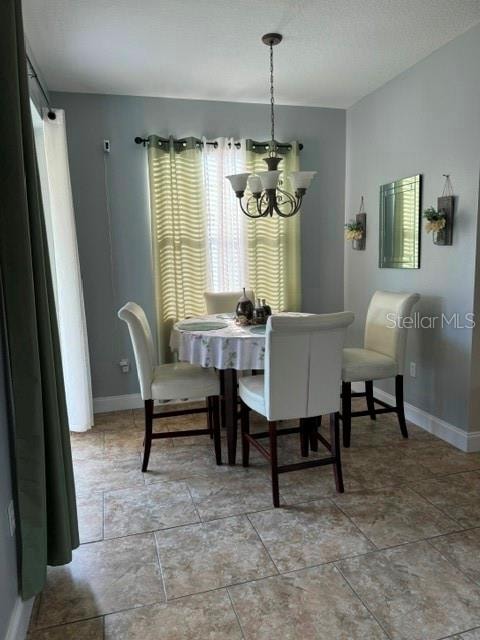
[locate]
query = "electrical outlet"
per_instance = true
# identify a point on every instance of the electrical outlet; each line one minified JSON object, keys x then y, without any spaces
{"x":11,"y":517}
{"x":413,"y":369}
{"x":124,"y":365}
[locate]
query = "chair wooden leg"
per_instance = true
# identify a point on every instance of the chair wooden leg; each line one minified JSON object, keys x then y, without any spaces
{"x":335,"y":444}
{"x":223,"y":420}
{"x":272,"y":432}
{"x":245,"y":427}
{"x":369,"y":397}
{"x":214,"y":402}
{"x":304,"y":427}
{"x":147,"y":444}
{"x":399,"y":404}
{"x":231,"y":412}
{"x":346,"y":412}
{"x":210,"y":416}
{"x":313,"y":431}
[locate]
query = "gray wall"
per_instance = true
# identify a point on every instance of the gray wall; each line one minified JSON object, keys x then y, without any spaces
{"x":427,"y":120}
{"x":125,"y":274}
{"x":8,"y":565}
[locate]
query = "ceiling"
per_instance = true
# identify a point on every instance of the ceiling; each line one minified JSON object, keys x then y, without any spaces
{"x":334,"y":51}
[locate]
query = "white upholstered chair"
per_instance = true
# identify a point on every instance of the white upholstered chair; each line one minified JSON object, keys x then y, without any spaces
{"x":225,"y":301}
{"x":169,"y":382}
{"x":303,"y":363}
{"x":382,"y":356}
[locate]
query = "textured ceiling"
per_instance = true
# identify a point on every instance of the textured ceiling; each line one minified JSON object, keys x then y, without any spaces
{"x":334,"y":51}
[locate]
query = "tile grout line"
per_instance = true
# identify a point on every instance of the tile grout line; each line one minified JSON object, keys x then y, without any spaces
{"x":450,"y":562}
{"x":376,"y":547}
{"x":235,"y":612}
{"x":75,"y":621}
{"x":193,"y":502}
{"x":361,"y":599}
{"x":444,"y":535}
{"x":160,"y":567}
{"x":263,"y":544}
{"x":461,"y":633}
{"x":440,"y":508}
{"x":400,"y":544}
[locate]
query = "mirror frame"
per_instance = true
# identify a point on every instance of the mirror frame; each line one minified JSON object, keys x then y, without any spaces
{"x":387,"y":191}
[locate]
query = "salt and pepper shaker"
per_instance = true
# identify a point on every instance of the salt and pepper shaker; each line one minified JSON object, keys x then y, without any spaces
{"x":267,"y":308}
{"x":259,"y":315}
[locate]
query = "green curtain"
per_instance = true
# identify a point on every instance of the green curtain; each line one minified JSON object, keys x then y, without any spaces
{"x":274,"y":243}
{"x":42,"y":463}
{"x":178,"y":233}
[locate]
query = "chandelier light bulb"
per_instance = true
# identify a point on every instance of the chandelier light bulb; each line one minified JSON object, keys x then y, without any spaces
{"x":238,"y":182}
{"x":269,"y":179}
{"x":301,"y":179}
{"x":255,"y":184}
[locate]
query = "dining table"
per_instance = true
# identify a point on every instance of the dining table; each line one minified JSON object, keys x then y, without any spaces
{"x":218,"y":341}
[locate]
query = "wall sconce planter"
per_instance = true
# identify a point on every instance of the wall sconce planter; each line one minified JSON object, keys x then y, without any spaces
{"x":440,"y":220}
{"x":356,"y":230}
{"x":444,"y":237}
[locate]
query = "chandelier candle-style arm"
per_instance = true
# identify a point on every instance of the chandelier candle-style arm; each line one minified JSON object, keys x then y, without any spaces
{"x":266,"y":197}
{"x":269,"y":201}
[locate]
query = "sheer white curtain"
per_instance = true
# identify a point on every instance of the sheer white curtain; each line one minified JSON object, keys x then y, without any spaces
{"x":226,"y":227}
{"x":66,"y":275}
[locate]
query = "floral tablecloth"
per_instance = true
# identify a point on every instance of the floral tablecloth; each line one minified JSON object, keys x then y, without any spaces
{"x":233,"y":347}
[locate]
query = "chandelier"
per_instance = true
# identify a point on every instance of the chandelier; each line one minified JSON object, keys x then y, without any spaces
{"x":266,"y":195}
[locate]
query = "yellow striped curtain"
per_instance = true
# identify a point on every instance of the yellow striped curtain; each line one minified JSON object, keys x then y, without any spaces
{"x":178,"y":234}
{"x":274,"y":245}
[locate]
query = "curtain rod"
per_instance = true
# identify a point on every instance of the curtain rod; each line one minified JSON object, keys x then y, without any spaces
{"x":51,"y":113}
{"x":214,"y":143}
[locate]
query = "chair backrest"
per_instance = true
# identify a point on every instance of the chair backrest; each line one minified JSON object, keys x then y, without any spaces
{"x":143,"y":347}
{"x":385,"y":331}
{"x":303,"y":364}
{"x":225,"y":301}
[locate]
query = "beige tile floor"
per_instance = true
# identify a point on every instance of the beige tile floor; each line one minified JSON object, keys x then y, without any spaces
{"x":192,"y":551}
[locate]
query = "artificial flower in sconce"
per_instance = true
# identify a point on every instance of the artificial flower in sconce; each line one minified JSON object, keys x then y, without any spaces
{"x":354,"y":231}
{"x":435,"y":220}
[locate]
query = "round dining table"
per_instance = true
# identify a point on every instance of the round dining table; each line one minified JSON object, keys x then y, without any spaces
{"x":218,"y":341}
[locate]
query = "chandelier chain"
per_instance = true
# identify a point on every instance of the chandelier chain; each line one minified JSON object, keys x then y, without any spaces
{"x":272,"y":101}
{"x":262,"y":194}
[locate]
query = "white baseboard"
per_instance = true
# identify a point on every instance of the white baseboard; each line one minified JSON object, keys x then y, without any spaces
{"x":117,"y":403}
{"x":464,"y":440}
{"x":19,"y":620}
